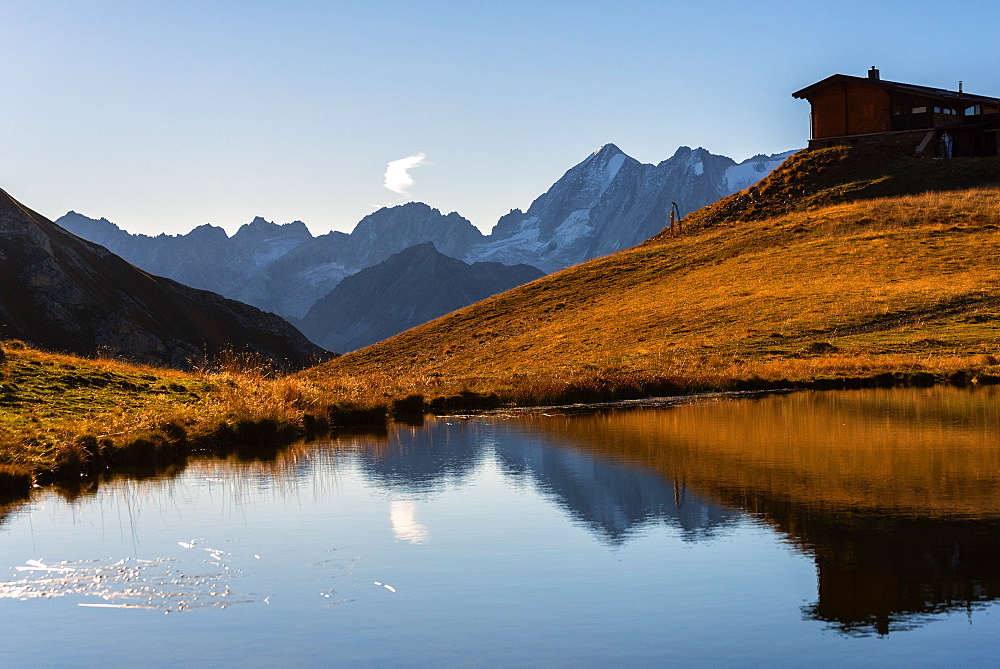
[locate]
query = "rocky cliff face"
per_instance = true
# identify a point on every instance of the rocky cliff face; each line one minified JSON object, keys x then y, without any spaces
{"x":62,"y":293}
{"x":412,"y":287}
{"x":610,"y":202}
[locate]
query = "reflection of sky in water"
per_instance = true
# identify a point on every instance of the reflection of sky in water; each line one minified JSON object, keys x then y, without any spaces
{"x":475,"y":542}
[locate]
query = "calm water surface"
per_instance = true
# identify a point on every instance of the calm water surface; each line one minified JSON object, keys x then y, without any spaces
{"x":814,"y":528}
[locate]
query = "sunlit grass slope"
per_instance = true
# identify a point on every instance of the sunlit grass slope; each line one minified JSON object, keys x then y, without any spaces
{"x":65,"y":415}
{"x":904,"y":286}
{"x":811,"y":179}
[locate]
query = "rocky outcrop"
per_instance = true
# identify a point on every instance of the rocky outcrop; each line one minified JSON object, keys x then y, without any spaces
{"x":63,"y":293}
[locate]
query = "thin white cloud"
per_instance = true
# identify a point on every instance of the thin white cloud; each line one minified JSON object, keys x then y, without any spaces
{"x":397,"y":173}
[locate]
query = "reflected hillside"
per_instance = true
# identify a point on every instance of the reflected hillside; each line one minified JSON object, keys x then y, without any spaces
{"x":931,"y":452}
{"x":895,"y":493}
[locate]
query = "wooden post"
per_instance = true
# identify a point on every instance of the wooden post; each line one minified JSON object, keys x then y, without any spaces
{"x":672,"y":230}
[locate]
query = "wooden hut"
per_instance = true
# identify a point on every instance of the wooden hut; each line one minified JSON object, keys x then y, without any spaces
{"x":929,"y":121}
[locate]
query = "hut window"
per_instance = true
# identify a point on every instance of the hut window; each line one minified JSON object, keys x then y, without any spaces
{"x":919,"y":110}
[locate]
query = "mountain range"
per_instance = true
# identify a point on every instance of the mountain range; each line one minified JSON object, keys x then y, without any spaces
{"x":607,"y":202}
{"x":611,"y":202}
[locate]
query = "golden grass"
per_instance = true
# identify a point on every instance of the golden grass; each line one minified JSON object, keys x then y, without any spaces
{"x":859,"y":289}
{"x":848,"y":451}
{"x":813,"y":179}
{"x":59,"y":412}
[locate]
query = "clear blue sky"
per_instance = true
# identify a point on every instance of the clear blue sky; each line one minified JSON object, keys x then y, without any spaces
{"x":165,"y":115}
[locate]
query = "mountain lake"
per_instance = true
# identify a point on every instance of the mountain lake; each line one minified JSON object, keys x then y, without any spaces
{"x":811,"y":528}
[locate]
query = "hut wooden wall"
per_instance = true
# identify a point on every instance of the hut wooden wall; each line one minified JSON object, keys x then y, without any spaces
{"x":849,"y":109}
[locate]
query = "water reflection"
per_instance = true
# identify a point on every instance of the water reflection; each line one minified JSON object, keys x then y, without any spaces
{"x":405,"y":527}
{"x":881,"y":573}
{"x":423,"y":460}
{"x":896,"y":494}
{"x":612,"y":498}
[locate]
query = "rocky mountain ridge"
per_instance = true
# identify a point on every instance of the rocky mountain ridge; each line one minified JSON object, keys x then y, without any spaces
{"x":280,"y":268}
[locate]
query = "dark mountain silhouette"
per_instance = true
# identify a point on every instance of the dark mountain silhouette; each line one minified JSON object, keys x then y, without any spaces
{"x":412,"y":287}
{"x":63,"y":293}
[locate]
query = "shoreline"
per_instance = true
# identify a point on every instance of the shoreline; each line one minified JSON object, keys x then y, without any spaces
{"x":258,"y":438}
{"x":65,"y":419}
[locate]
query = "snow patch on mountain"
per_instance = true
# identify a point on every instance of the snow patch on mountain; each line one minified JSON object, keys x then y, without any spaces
{"x":611,"y":171}
{"x":573,"y":227}
{"x":750,"y":171}
{"x":329,"y":272}
{"x":509,"y":249}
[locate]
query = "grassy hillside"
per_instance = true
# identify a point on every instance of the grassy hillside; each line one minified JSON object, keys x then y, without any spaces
{"x":852,"y":292}
{"x":61,"y":416}
{"x":812,"y":179}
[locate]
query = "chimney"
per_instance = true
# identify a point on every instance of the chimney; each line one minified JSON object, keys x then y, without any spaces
{"x":873,"y":73}
{"x":960,"y":87}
